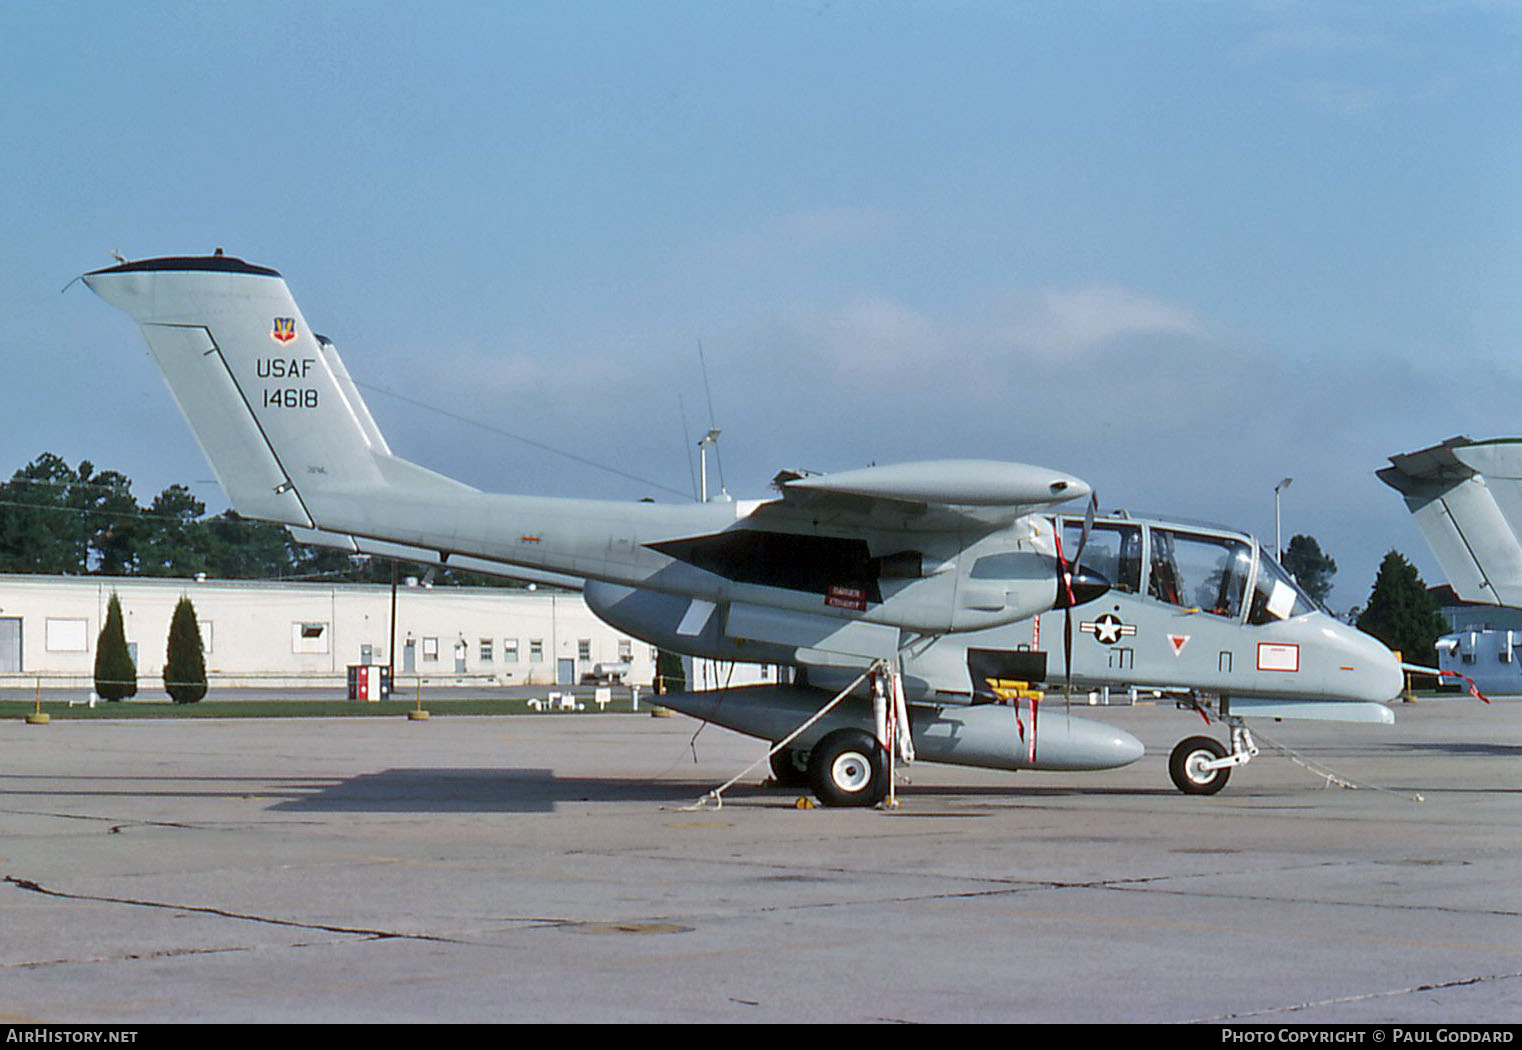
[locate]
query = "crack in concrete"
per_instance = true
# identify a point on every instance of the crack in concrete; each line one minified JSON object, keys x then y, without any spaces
{"x":1391,"y":993}
{"x":1000,"y":884}
{"x":34,"y":887}
{"x":117,"y":824}
{"x":92,"y":819}
{"x":163,"y":953}
{"x":1505,"y":913}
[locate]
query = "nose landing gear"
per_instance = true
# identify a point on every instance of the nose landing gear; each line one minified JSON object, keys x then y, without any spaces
{"x":1200,"y":765}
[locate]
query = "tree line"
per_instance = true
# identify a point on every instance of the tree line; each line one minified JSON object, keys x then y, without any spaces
{"x":67,"y":520}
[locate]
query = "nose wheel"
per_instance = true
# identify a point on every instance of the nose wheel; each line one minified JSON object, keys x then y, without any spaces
{"x":1191,"y":766}
{"x":1201,"y":765}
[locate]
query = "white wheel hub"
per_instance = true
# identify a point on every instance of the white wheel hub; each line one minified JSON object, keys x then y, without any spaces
{"x":851,"y":771}
{"x":1196,"y":766}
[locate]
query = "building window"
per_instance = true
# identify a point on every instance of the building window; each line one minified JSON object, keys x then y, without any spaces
{"x":309,"y":637}
{"x":431,"y":649}
{"x":509,"y":650}
{"x":67,"y":636}
{"x":584,"y":650}
{"x":536,"y":650}
{"x":625,"y":651}
{"x":486,"y":650}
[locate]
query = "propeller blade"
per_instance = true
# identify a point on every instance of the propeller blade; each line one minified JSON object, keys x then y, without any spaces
{"x":1067,"y":659}
{"x":1088,"y":527}
{"x":1065,"y":591}
{"x":1075,"y":586}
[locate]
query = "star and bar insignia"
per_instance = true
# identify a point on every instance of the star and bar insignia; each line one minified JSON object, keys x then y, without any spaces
{"x":1107,"y":629}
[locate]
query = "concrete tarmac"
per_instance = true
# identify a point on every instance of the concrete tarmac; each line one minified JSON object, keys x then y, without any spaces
{"x":543,"y":868}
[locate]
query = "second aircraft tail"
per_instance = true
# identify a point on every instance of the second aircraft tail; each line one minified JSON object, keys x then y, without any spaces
{"x":1466,"y":497}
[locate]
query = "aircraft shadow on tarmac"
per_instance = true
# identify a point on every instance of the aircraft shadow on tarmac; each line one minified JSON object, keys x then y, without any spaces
{"x":540,"y":790}
{"x":488,"y":791}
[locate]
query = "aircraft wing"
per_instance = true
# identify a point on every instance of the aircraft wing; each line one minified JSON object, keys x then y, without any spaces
{"x":1466,"y":497}
{"x":935,"y":495}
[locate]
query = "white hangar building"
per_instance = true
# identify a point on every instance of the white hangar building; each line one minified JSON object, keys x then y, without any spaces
{"x":308,"y":634}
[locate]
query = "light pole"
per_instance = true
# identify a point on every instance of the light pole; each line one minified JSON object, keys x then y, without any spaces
{"x":710,"y":440}
{"x":1278,"y":545}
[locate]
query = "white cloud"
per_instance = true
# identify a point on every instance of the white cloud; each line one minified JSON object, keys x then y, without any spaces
{"x":1037,"y":329}
{"x":1067,"y":323}
{"x":1317,"y":41}
{"x":875,"y":330}
{"x":792,"y":238}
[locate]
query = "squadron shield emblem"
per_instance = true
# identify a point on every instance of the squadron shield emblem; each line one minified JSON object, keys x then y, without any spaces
{"x":284,"y":330}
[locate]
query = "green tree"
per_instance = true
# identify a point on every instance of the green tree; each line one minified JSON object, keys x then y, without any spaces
{"x":115,"y":675}
{"x":173,"y":544}
{"x":185,"y":663}
{"x":240,"y":549}
{"x":39,"y":530}
{"x":1311,"y":568}
{"x":59,"y":519}
{"x":111,"y":519}
{"x":1401,"y":612}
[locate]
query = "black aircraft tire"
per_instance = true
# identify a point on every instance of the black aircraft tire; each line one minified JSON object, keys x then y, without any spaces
{"x":790,"y":768}
{"x":1184,"y":762}
{"x":849,"y":768}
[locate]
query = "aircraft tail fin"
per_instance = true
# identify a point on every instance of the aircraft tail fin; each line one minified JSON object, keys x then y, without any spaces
{"x":270,"y":402}
{"x":1466,"y":497}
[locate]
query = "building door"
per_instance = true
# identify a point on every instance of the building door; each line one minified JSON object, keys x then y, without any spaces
{"x":459,"y":658}
{"x":409,"y":657}
{"x":565,"y":672}
{"x":10,"y":643}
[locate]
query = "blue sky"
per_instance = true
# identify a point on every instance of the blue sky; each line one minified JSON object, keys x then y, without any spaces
{"x":1180,"y":249}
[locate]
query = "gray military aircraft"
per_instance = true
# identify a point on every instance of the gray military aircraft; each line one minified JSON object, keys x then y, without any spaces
{"x":942,"y":571}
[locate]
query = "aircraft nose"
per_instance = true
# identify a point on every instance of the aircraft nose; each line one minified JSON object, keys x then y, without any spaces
{"x":1086,"y":586}
{"x":1374,"y":672}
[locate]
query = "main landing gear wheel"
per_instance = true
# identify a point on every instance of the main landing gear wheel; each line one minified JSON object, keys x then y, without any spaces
{"x":849,"y":768}
{"x":1187,"y":766}
{"x":790,"y":768}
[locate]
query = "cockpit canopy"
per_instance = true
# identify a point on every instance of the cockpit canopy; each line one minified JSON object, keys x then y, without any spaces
{"x":1219,"y":573}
